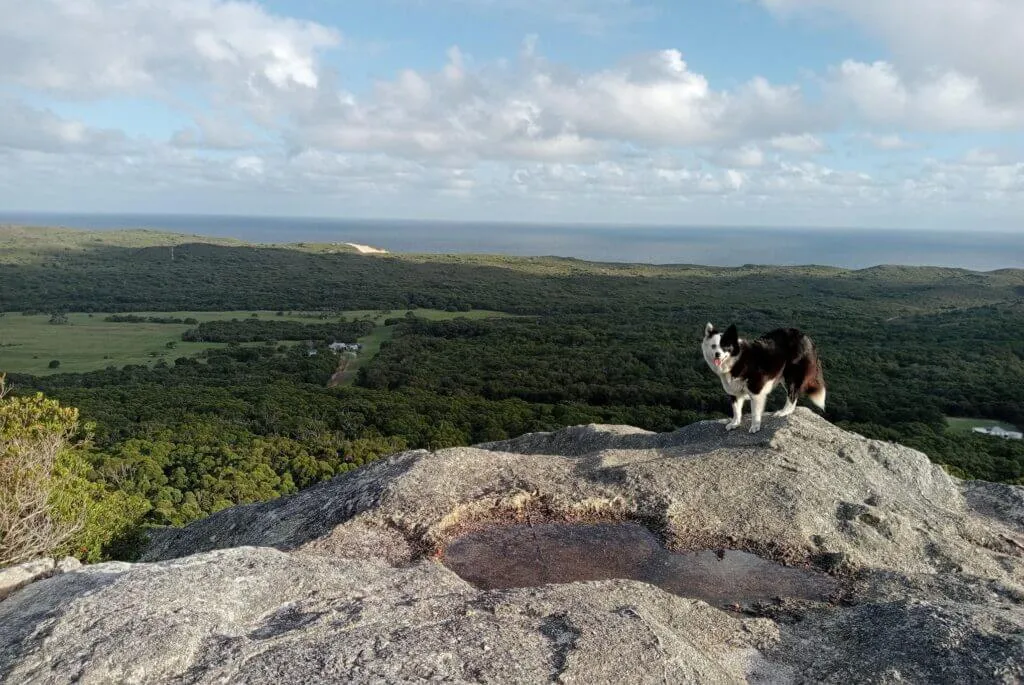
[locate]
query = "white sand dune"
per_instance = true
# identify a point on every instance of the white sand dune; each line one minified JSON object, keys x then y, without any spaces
{"x":366,"y":249}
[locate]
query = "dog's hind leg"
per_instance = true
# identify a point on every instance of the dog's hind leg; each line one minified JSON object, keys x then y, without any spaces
{"x":794,"y":375}
{"x":792,"y":395}
{"x":737,"y":413}
{"x":788,"y":409}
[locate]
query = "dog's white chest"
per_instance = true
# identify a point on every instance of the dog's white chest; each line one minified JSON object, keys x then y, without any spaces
{"x":736,"y":387}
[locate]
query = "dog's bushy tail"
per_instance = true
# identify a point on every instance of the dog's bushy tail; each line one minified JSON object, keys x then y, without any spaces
{"x":814,"y":379}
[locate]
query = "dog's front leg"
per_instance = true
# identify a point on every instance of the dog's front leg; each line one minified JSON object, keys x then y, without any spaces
{"x":737,"y":413}
{"x":757,"y":403}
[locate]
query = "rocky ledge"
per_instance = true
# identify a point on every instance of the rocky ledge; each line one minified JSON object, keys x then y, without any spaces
{"x":590,"y":554}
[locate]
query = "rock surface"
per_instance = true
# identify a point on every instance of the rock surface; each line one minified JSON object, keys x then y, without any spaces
{"x":68,"y":564}
{"x":342,"y":582}
{"x":18,"y":576}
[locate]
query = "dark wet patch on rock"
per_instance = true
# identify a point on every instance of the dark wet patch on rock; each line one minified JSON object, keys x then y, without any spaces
{"x":535,"y":555}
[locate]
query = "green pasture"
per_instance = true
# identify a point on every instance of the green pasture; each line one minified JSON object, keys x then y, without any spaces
{"x":29,"y":343}
{"x":961,"y":425}
{"x":88,"y":343}
{"x":371,"y":346}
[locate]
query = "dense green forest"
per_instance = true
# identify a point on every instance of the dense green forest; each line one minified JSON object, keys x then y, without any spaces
{"x":902,"y":347}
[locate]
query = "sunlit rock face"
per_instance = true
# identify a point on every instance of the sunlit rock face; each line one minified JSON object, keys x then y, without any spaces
{"x":802,"y":553}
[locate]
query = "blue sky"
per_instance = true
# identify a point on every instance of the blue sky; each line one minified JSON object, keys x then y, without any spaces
{"x":866,"y":113}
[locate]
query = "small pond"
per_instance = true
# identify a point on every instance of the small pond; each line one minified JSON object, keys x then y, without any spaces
{"x":533,"y":555}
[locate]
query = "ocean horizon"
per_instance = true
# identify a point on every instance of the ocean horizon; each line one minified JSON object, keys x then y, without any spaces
{"x":712,"y":246}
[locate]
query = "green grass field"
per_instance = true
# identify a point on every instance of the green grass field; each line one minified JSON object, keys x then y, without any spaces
{"x":371,"y":346}
{"x":29,"y":343}
{"x":959,"y":425}
{"x":88,"y":343}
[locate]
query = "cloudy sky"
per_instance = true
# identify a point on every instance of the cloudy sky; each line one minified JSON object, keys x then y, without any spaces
{"x":900,"y":113}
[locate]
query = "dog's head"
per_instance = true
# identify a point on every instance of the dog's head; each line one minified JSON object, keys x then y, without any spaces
{"x":720,"y":349}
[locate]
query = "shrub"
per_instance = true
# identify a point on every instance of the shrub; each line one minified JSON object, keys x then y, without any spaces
{"x":47,"y":504}
{"x":33,"y":432}
{"x":54,"y":364}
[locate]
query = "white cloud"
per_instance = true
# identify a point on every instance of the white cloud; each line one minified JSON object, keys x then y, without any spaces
{"x":954,"y":64}
{"x":935,"y":185}
{"x":634,"y":182}
{"x":980,"y":39}
{"x":28,"y":128}
{"x":91,"y":48}
{"x":658,"y":99}
{"x":647,"y":134}
{"x":216,"y":133}
{"x":968,"y":181}
{"x":945,"y":101}
{"x":990,"y":157}
{"x":536,"y":110}
{"x":589,"y":16}
{"x":744,"y":157}
{"x":249,"y":165}
{"x":638,"y":188}
{"x":889,"y":142}
{"x":803,"y":144}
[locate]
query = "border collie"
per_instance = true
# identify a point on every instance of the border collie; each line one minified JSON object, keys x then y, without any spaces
{"x":752,"y":369}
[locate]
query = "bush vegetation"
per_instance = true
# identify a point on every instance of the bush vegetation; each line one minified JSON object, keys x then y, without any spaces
{"x":903,"y":348}
{"x":48,"y":504}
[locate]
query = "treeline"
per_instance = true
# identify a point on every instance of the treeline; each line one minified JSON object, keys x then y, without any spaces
{"x":256,"y":330}
{"x":114,"y":279}
{"x":203,"y":277}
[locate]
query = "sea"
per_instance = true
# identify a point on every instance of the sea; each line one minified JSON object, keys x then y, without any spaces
{"x":714,"y":246}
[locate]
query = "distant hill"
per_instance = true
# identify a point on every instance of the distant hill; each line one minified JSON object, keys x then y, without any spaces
{"x":138,"y":271}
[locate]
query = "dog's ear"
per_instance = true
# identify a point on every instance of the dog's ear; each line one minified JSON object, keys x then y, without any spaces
{"x":709,"y":330}
{"x":731,"y":337}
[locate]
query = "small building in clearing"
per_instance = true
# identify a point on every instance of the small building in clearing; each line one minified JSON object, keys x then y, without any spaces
{"x":1000,"y":432}
{"x":345,"y":347}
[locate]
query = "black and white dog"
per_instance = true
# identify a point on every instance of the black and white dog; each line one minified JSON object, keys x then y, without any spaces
{"x":752,"y":369}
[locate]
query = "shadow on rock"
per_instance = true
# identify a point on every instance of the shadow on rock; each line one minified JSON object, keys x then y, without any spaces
{"x":26,"y":617}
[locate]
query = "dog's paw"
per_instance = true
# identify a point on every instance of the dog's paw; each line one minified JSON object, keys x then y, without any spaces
{"x":732,"y":425}
{"x":755,"y":427}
